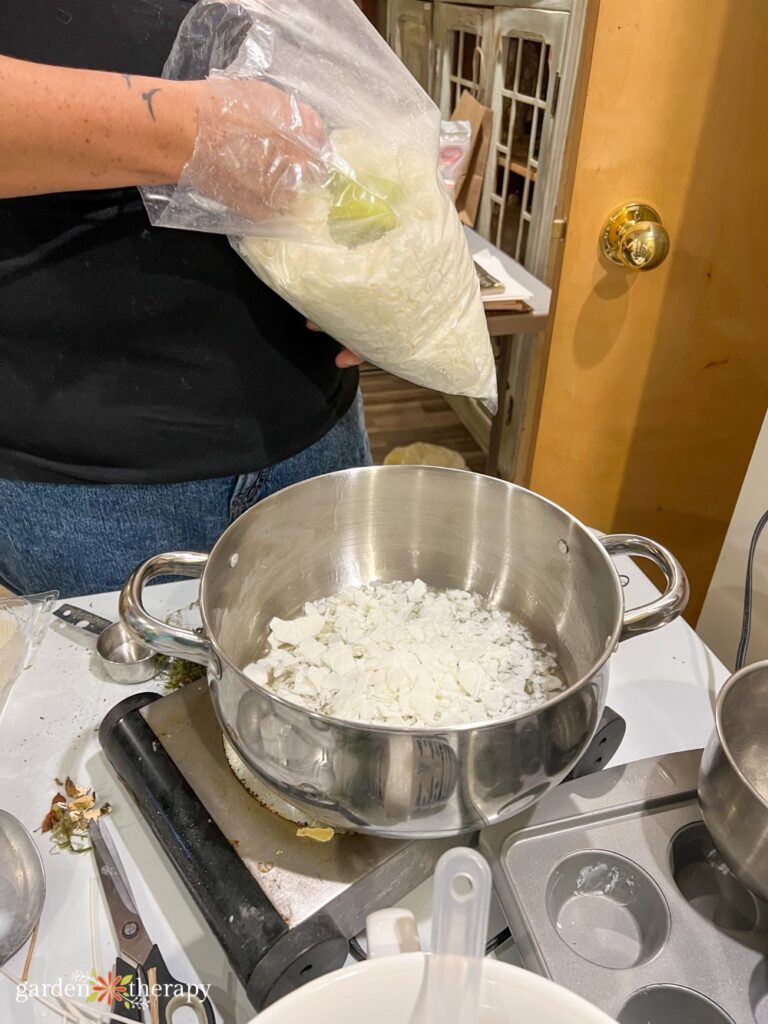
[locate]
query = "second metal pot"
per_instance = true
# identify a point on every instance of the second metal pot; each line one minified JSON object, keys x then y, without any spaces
{"x":733,"y":779}
{"x":451,"y":529}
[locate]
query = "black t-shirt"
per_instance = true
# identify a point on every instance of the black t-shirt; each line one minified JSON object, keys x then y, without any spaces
{"x":132,"y":354}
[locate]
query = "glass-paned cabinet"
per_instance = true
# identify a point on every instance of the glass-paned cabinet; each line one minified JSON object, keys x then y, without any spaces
{"x":527,"y":72}
{"x":410,"y":32}
{"x":463,"y":36}
{"x":519,"y":58}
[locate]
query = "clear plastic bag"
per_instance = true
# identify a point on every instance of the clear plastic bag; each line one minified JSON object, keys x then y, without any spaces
{"x":317,"y":153}
{"x":22,"y":623}
{"x":455,"y":149}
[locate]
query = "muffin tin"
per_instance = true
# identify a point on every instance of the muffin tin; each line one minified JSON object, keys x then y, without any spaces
{"x":613,"y":888}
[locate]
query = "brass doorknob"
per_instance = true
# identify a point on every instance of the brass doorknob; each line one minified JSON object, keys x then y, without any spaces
{"x":634,"y":237}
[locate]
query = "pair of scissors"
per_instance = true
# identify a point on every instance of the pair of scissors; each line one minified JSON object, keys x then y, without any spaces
{"x":138,"y":954}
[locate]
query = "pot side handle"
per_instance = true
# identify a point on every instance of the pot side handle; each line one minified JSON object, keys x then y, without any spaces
{"x":674,"y":599}
{"x":161,"y":636}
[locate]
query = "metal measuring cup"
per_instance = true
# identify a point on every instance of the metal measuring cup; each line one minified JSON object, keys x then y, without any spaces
{"x":125,"y":659}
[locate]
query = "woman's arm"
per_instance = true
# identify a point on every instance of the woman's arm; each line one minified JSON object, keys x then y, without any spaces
{"x":66,"y":130}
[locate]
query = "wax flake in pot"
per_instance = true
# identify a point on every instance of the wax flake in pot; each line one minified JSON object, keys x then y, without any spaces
{"x":403,"y":654}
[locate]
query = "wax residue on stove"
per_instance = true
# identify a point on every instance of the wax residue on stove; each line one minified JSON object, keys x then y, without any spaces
{"x":269,"y":799}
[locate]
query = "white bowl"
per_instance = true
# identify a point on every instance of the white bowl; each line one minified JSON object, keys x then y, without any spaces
{"x":384,"y":991}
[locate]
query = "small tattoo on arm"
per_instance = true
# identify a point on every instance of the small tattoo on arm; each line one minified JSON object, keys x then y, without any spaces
{"x":147,"y":97}
{"x":127,"y":80}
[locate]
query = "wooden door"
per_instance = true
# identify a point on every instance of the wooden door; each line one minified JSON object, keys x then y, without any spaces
{"x":657,"y":381}
{"x":464,"y":43}
{"x":410,"y":36}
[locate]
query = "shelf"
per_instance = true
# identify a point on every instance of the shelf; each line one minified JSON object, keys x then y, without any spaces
{"x":517,"y":165}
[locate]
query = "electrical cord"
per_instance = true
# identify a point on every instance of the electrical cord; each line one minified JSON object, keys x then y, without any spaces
{"x":358,"y":953}
{"x":746,"y":622}
{"x":497,"y":940}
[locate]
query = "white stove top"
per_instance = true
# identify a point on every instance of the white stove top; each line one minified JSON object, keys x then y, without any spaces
{"x":664,"y":684}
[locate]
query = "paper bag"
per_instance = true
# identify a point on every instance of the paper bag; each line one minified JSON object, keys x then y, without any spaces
{"x":469,"y":189}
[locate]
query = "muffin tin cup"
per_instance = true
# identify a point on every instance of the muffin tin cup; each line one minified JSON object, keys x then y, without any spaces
{"x":670,"y":1004}
{"x":607,"y":909}
{"x":613,"y":888}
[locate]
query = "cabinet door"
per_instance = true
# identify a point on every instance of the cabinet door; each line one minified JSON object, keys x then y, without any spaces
{"x":410,"y":36}
{"x":528,"y":58}
{"x":464,"y":44}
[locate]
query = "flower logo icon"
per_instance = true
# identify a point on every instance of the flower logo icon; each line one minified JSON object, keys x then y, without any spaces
{"x":110,"y":989}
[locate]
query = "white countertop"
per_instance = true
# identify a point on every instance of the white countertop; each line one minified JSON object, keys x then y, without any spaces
{"x":664,"y":684}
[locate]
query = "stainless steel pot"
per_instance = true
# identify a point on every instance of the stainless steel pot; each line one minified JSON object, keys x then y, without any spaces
{"x":452,"y":529}
{"x":733,"y":778}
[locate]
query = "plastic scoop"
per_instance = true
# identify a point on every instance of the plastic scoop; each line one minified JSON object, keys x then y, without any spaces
{"x":361,"y":210}
{"x":450,"y":989}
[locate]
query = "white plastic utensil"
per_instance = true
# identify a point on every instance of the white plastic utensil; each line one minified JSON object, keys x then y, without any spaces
{"x":450,"y":990}
{"x":391,"y":986}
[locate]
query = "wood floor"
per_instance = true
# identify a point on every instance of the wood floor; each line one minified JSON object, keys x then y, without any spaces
{"x":398,"y":413}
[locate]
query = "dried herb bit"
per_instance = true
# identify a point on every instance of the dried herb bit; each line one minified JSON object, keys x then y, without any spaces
{"x":178,"y":672}
{"x":50,"y":818}
{"x":68,"y":816}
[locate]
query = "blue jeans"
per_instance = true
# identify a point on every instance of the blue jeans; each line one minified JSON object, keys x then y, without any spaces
{"x":83,"y":539}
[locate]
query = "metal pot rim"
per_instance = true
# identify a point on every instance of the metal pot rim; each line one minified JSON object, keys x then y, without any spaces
{"x":36,"y":859}
{"x":722,"y":697}
{"x":611,"y":643}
